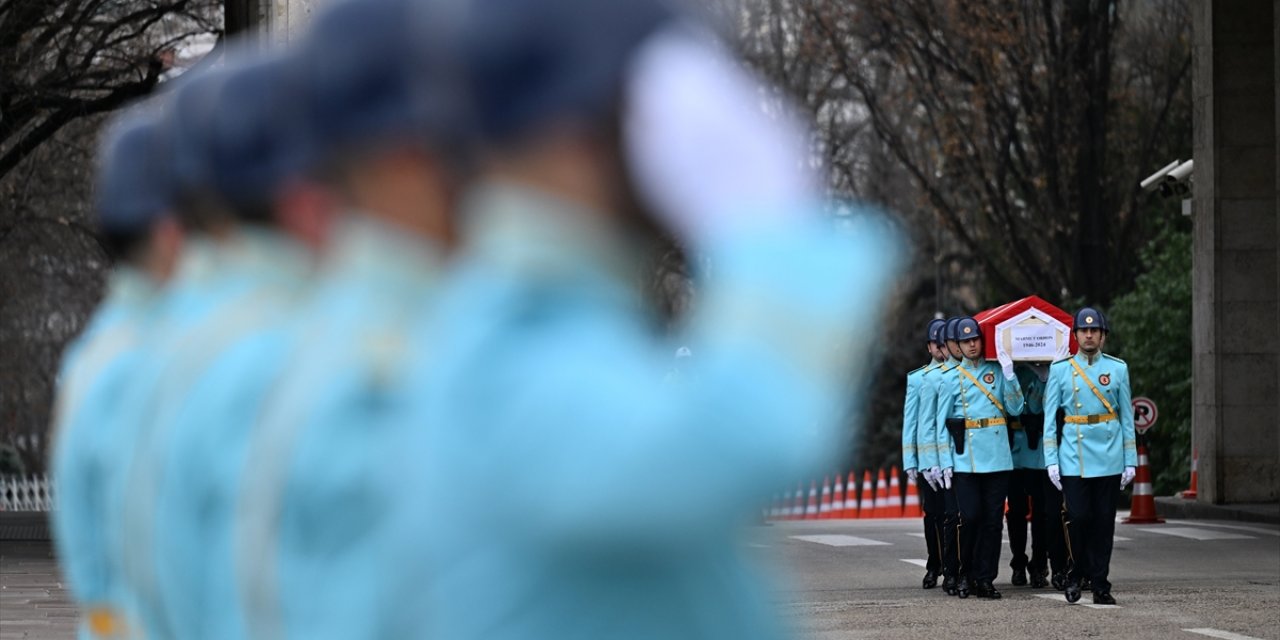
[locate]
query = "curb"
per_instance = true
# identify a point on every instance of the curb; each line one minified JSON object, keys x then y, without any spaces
{"x":1175,"y":507}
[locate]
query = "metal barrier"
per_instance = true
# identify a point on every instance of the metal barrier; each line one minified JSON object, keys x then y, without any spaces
{"x":26,"y":493}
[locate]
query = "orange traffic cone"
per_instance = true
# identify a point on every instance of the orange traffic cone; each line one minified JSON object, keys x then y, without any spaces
{"x":824,"y":508}
{"x":894,"y":504}
{"x":851,"y":497}
{"x":1143,"y":508}
{"x":837,"y":498}
{"x":797,"y":504}
{"x":911,"y":507}
{"x":867,"y":497}
{"x":811,"y":509}
{"x":881,"y":505}
{"x":1190,"y":494}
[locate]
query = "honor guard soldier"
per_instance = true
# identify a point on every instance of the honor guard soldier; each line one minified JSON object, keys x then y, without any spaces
{"x":1098,"y":453}
{"x":920,"y":450}
{"x":214,"y":380}
{"x":318,"y":493}
{"x":1026,"y":485}
{"x":138,"y":228}
{"x":547,"y":368}
{"x":943,"y":446}
{"x":972,"y":407}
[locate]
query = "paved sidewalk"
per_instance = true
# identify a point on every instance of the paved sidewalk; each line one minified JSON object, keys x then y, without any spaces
{"x":33,"y":599}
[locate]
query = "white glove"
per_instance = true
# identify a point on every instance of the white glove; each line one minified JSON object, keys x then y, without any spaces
{"x":1006,"y":364}
{"x":946,"y":478}
{"x":1127,"y":476}
{"x":911,"y":475}
{"x":702,"y":151}
{"x":1055,"y":476}
{"x":930,"y":478}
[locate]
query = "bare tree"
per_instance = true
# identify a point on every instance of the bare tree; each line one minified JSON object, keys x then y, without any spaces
{"x":63,"y":65}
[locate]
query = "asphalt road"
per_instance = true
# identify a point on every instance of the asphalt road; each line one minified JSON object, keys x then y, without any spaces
{"x":1219,"y":577}
{"x":859,"y":579}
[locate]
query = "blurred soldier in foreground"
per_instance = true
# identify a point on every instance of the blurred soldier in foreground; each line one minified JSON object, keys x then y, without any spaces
{"x":562,"y":489}
{"x":317,"y":496}
{"x":981,"y":394}
{"x":920,"y":449}
{"x":216,"y":364}
{"x":1098,"y":453}
{"x":144,"y":239}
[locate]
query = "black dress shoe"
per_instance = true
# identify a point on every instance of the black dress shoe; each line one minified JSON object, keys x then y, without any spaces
{"x":949,"y":585}
{"x":962,"y":587}
{"x":1103,"y":597}
{"x":986,"y":591}
{"x":1073,"y":592}
{"x":1039,"y":578}
{"x":1059,"y":581}
{"x":1019,"y":577}
{"x":930,"y":579}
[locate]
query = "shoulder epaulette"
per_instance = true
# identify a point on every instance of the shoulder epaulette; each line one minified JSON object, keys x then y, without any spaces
{"x":915,"y":371}
{"x":1062,"y":360}
{"x":1107,"y":355}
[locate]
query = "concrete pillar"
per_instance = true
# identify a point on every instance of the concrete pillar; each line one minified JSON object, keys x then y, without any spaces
{"x":1236,"y":324}
{"x":287,"y":17}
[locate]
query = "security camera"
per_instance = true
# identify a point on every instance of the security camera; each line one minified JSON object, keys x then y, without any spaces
{"x":1153,"y":181}
{"x":1174,"y":179}
{"x":1178,"y":181}
{"x":1182,"y":173}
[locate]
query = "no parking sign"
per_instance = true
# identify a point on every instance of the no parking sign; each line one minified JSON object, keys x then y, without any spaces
{"x":1144,"y":414}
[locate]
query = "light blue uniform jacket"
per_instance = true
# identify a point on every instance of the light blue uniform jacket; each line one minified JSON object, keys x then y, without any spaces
{"x":1090,"y":450}
{"x":926,"y":416}
{"x":919,"y":449}
{"x":986,"y":449}
{"x":566,"y":490}
{"x":316,"y":500}
{"x":95,"y":371}
{"x":943,"y":445}
{"x":1024,"y":457}
{"x":232,"y":329}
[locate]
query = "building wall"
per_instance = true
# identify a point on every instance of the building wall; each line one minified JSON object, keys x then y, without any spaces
{"x":1236,"y":324}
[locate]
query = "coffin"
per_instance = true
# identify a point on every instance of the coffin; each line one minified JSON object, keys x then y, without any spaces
{"x":1029,"y":330}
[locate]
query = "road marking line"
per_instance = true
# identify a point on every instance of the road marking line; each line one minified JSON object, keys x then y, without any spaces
{"x":1060,"y":598}
{"x":1270,"y":532}
{"x":923,"y":564}
{"x":916,"y":535}
{"x":1199,"y":534}
{"x":839,"y":540}
{"x":1122,"y":539}
{"x":1225,"y":635}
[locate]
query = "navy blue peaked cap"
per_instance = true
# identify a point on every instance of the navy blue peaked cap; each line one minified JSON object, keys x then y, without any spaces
{"x":190,"y":107}
{"x":934,"y":332}
{"x":132,"y":184}
{"x":529,"y":63}
{"x":368,"y":81}
{"x":967,"y":329}
{"x":1088,"y":317}
{"x":257,"y":140}
{"x":949,"y":333}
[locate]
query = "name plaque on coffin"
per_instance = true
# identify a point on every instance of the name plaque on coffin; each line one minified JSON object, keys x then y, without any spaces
{"x":1029,"y":330}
